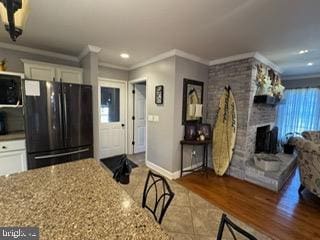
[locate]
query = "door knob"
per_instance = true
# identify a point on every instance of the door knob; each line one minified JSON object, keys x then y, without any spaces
{"x":122,"y":125}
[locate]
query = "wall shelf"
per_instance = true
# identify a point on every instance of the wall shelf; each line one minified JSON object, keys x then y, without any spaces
{"x":265,"y":99}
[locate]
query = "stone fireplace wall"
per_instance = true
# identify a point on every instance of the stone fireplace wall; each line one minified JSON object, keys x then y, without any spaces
{"x":240,"y":75}
{"x":260,"y":114}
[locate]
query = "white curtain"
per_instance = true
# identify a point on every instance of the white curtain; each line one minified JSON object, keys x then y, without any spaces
{"x":299,"y":112}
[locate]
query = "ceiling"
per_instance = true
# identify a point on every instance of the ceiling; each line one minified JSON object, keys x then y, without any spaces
{"x":210,"y":29}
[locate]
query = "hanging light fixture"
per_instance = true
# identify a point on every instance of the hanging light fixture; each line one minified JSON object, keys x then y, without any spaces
{"x":14,"y":14}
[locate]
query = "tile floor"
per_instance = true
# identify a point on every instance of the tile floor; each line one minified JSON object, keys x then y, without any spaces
{"x":189,"y":217}
{"x":138,"y":158}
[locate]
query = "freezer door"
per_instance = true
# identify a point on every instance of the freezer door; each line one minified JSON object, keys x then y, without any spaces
{"x":38,"y":160}
{"x":77,"y":115}
{"x":43,"y":119}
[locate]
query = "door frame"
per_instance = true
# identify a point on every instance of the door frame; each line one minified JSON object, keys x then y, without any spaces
{"x":130,"y":113}
{"x":104,"y":80}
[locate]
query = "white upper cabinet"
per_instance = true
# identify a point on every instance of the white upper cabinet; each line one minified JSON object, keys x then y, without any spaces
{"x":69,"y":75}
{"x":39,"y":72}
{"x":52,"y":72}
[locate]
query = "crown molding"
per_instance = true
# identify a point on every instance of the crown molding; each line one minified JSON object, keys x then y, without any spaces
{"x":49,"y":64}
{"x":299,"y":77}
{"x":232,"y":58}
{"x":177,"y":52}
{"x":87,"y":49}
{"x":191,"y":57}
{"x":171,"y":53}
{"x":267,"y":62}
{"x":174,"y":52}
{"x":154,"y":59}
{"x":238,"y":57}
{"x":105,"y":64}
{"x":38,"y":52}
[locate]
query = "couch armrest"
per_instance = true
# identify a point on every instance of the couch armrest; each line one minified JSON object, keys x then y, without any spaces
{"x":306,"y":145}
{"x":312,"y":135}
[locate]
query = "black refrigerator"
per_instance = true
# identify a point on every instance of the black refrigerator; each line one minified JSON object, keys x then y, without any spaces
{"x":58,"y":122}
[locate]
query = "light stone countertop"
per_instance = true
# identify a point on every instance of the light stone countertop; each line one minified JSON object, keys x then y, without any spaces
{"x":76,"y":200}
{"x":13,"y":136}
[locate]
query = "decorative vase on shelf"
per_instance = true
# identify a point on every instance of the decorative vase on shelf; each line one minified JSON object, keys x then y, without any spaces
{"x":263,"y":81}
{"x":3,"y":65}
{"x":278,"y":88}
{"x":264,"y":87}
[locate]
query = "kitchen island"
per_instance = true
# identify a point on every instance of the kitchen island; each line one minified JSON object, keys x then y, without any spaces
{"x":76,"y":200}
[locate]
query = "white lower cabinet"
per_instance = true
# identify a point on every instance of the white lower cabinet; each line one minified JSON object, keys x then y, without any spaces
{"x":13,"y":157}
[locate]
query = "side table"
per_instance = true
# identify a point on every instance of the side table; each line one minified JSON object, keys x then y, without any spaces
{"x":205,"y":144}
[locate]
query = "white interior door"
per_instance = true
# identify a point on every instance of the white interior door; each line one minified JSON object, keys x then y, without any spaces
{"x":140,"y":118}
{"x":112,"y":118}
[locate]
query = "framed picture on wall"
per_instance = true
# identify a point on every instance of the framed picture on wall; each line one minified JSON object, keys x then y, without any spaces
{"x":205,"y":129}
{"x":159,"y":94}
{"x":192,"y":101}
{"x":190,"y":131}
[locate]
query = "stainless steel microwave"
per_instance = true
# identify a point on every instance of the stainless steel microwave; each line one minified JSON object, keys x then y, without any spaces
{"x":10,"y":90}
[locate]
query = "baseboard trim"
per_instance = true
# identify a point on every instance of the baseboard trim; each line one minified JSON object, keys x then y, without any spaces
{"x":176,"y":174}
{"x":166,"y":173}
{"x":160,"y":170}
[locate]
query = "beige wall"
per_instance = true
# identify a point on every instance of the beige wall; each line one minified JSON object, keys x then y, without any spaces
{"x":112,"y":73}
{"x":195,"y":71}
{"x":160,"y":134}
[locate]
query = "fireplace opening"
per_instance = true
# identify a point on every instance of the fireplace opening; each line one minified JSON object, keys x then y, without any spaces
{"x":266,"y":140}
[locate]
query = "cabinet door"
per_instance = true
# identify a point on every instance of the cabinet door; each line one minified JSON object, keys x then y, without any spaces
{"x":69,"y":75}
{"x":39,"y":72}
{"x":13,"y":162}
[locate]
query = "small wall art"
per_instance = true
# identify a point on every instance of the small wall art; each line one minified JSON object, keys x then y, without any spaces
{"x":159,"y":94}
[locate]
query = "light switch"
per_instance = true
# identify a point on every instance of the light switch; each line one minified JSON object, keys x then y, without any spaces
{"x":156,"y":118}
{"x":150,"y":118}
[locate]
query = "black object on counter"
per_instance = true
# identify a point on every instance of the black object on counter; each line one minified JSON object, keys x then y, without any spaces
{"x":288,"y":148}
{"x":10,"y":90}
{"x":122,"y":173}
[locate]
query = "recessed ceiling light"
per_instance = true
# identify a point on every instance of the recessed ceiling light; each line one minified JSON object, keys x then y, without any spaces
{"x":303,"y":51}
{"x":310,"y":64}
{"x":125,"y":55}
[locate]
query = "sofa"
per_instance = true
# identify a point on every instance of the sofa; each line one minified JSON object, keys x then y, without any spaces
{"x":313,"y":136}
{"x":308,"y":149}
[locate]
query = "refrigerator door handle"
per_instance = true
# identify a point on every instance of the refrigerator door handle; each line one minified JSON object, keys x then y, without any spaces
{"x":60,"y":110}
{"x":65,"y":115}
{"x":62,"y":154}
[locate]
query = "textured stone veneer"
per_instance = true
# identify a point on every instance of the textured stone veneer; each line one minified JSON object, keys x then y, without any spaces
{"x":240,"y":75}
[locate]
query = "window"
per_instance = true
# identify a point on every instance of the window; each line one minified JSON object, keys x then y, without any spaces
{"x":110,"y":105}
{"x":300,"y":111}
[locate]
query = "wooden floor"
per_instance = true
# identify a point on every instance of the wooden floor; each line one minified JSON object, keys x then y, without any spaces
{"x":280,"y":215}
